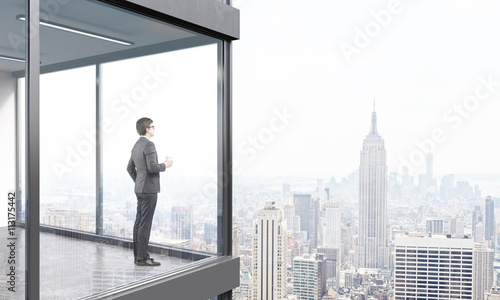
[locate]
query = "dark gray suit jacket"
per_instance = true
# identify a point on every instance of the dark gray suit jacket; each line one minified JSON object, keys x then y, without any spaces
{"x":143,"y":167}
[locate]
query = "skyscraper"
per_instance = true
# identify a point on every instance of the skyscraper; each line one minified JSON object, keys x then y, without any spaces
{"x":289,"y":214}
{"x":433,"y":266}
{"x":269,"y":254}
{"x":315,"y":224}
{"x":479,"y":237}
{"x":483,"y":270}
{"x":489,"y":219}
{"x":182,"y":222}
{"x":286,"y":190}
{"x":305,"y":210}
{"x":332,"y":257}
{"x":309,"y":280}
{"x":456,"y":226}
{"x":434,"y":226}
{"x":372,"y":250}
{"x":477,"y":217}
{"x":333,"y":232}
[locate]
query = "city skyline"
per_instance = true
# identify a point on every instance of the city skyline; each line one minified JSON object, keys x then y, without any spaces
{"x":373,"y":248}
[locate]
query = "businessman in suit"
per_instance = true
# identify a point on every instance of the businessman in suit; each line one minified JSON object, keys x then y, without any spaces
{"x":145,"y":170}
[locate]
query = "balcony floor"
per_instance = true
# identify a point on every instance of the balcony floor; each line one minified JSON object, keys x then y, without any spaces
{"x":72,"y":268}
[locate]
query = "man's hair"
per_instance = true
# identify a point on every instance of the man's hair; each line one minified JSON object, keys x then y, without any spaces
{"x":142,"y":124}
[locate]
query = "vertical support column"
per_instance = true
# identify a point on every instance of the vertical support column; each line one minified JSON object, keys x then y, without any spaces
{"x":32,"y":244}
{"x":225,"y":177}
{"x":98,"y":155}
{"x":18,"y":156}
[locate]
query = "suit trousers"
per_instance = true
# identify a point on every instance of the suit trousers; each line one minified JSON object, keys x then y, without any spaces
{"x":146,"y":204}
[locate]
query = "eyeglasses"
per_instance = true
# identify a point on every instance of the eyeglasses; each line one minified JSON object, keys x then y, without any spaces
{"x":151,"y":127}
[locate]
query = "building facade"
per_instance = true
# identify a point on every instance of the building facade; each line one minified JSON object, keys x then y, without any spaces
{"x":269,"y":254}
{"x":483,"y":270}
{"x":434,"y":226}
{"x":333,"y":228}
{"x":332,"y":265}
{"x":489,"y":219}
{"x":433,"y":266}
{"x":305,"y":210}
{"x":309,"y":278}
{"x":372,"y":250}
{"x":182,"y":222}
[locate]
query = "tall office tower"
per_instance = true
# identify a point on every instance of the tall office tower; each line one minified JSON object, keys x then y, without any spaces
{"x":182,"y":222}
{"x":332,"y":267}
{"x":483,"y":270}
{"x":477,"y":216}
{"x":305,"y":210}
{"x":456,"y":226}
{"x":460,"y":227}
{"x":286,"y":190}
{"x":489,"y":219}
{"x":373,"y":243}
{"x":429,"y":160}
{"x":479,"y":237}
{"x":296,"y":223}
{"x":347,"y":241}
{"x":289,"y":214}
{"x":432,"y":266}
{"x":453,"y":225}
{"x":309,"y":278}
{"x":269,"y":254}
{"x":434,"y":226}
{"x":316,"y":226}
{"x":333,"y":228}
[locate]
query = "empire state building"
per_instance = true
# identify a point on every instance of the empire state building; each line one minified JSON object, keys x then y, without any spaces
{"x":372,"y":250}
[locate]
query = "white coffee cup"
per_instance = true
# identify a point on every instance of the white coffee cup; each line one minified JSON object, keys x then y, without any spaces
{"x":169,"y":158}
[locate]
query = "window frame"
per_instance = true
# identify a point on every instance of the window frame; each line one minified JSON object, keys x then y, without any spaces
{"x":212,"y":18}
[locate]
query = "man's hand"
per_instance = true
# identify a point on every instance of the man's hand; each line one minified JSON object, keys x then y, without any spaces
{"x":168,"y":163}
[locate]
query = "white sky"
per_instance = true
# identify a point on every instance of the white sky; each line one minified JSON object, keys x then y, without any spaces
{"x":177,"y":90}
{"x":428,"y":57}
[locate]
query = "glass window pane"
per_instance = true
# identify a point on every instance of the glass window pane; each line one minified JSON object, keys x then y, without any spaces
{"x":103,"y":65}
{"x":67,"y":149}
{"x":181,"y":98}
{"x":12,"y":181}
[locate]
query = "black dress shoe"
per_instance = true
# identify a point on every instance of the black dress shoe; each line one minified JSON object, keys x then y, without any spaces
{"x":147,"y":262}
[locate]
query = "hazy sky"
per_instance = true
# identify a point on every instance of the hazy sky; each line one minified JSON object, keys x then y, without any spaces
{"x":426,"y":62}
{"x":177,"y":90}
{"x":304,"y":80}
